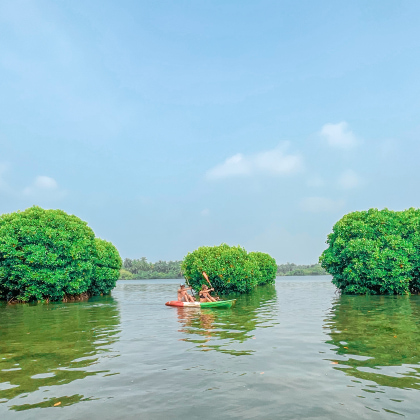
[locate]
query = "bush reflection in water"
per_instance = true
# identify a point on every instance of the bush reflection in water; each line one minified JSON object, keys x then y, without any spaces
{"x":376,"y":338}
{"x":217,"y":329}
{"x":46,"y":345}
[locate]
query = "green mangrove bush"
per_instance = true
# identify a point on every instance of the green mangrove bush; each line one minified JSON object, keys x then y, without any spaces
{"x":106,"y":269}
{"x":49,"y":255}
{"x":375,"y":252}
{"x":267,"y":266}
{"x":230,"y":268}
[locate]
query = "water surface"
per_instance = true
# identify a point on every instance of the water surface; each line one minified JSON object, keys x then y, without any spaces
{"x":293,"y":350}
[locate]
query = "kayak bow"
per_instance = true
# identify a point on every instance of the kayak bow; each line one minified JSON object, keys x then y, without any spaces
{"x":217,"y":304}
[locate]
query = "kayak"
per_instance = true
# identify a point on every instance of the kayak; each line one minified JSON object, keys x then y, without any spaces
{"x":217,"y":304}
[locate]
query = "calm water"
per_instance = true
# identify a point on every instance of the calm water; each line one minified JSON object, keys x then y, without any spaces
{"x":293,"y":351}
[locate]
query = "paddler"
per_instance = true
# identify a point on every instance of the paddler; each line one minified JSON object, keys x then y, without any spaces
{"x":209,"y":290}
{"x":204,"y":294}
{"x":183,"y":295}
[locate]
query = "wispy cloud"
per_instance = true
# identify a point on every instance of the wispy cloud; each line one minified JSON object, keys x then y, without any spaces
{"x":339,"y":135}
{"x":271,"y":162}
{"x":43,"y":185}
{"x":349,"y":180}
{"x":321,"y":204}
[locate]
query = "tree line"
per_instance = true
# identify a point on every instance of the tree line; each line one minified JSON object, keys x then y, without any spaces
{"x":143,"y":269}
{"x":134,"y":269}
{"x":290,"y":269}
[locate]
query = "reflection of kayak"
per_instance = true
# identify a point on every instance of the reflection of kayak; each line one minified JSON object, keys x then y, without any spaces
{"x":217,"y":304}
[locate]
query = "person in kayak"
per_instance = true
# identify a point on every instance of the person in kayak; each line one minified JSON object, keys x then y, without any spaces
{"x":183,"y":295}
{"x":204,"y":294}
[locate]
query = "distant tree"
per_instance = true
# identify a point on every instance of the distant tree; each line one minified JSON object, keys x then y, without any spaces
{"x":125,"y":275}
{"x":127,"y":264}
{"x":142,"y":269}
{"x":300,"y":270}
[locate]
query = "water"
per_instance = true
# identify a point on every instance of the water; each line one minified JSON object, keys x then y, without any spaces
{"x":290,"y":351}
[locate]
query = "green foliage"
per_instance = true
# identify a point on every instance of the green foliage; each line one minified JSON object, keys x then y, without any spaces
{"x":125,"y":275}
{"x":290,"y":269}
{"x":267,"y":266}
{"x":142,"y":269}
{"x":230,"y":269}
{"x":375,"y":252}
{"x":107,"y":268}
{"x":45,"y":255}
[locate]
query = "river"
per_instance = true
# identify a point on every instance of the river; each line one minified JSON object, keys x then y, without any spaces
{"x":295,"y":350}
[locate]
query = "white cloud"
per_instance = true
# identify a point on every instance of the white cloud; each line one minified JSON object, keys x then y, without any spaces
{"x":45,"y":183}
{"x":270,"y":162}
{"x":321,"y":204}
{"x":43,"y":186}
{"x":233,"y":166}
{"x":338,"y":135}
{"x":348,"y":180}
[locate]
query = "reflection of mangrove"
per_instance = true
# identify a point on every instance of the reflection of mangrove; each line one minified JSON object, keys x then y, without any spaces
{"x":47,"y":345}
{"x":379,"y":337}
{"x":254,"y":310}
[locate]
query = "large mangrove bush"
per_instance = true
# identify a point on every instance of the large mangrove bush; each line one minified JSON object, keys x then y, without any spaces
{"x":375,"y":252}
{"x":51,"y":255}
{"x":230,"y":268}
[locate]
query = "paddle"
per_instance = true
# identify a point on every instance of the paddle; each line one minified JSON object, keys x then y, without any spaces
{"x":207,"y":278}
{"x":208,"y":281}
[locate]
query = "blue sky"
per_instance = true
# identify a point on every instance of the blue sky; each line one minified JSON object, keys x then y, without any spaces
{"x":173,"y":124}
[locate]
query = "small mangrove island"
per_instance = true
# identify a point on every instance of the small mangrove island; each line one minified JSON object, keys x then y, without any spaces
{"x":375,"y":252}
{"x":49,"y":255}
{"x":229,"y":268}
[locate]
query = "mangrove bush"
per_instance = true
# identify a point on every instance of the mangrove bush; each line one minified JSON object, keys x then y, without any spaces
{"x":51,"y":255}
{"x":375,"y":252}
{"x":230,"y":268}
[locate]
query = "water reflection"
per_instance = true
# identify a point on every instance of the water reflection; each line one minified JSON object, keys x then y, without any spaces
{"x":222,"y":329}
{"x":47,"y":345}
{"x":376,"y":339}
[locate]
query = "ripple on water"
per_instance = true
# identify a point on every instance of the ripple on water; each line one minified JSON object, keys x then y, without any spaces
{"x":293,"y":350}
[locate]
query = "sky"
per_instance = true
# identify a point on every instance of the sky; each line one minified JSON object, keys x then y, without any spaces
{"x":168,"y":125}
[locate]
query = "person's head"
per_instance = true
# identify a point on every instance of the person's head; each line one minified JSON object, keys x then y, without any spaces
{"x":182,"y":286}
{"x":204,"y":287}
